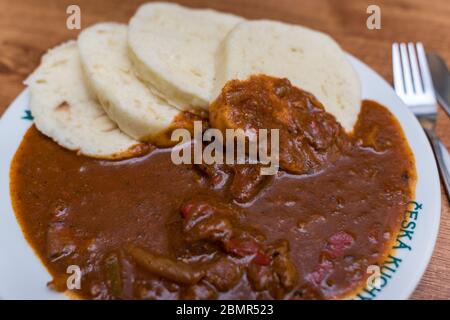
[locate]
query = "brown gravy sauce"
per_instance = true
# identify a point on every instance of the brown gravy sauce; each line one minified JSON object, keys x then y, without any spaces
{"x":78,"y":210}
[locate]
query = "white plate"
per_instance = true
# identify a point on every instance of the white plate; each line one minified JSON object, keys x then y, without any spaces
{"x":22,"y":276}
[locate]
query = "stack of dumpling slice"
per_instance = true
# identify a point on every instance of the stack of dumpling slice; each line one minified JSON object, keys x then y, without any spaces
{"x":120,"y":86}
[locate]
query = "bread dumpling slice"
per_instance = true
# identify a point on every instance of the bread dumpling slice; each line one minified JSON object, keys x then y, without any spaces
{"x":173,"y":49}
{"x":311,"y":60}
{"x":64,"y":110}
{"x":127,"y":101}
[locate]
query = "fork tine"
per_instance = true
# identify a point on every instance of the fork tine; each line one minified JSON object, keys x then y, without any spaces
{"x":397,"y":69}
{"x":417,"y":81}
{"x":425,"y":71}
{"x":412,"y":78}
{"x":406,"y":69}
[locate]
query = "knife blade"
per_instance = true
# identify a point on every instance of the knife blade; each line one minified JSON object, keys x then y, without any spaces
{"x":441,"y":79}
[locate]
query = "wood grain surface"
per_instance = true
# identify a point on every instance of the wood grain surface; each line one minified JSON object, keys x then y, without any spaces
{"x":29,"y":27}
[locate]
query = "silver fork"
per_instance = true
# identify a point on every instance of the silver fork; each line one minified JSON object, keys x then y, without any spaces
{"x":413,"y":84}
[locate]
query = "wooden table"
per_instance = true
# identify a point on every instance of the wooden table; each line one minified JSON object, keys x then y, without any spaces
{"x":29,"y":27}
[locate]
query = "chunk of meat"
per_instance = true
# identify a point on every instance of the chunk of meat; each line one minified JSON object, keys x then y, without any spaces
{"x":309,"y":136}
{"x":246,"y":179}
{"x":247,"y":182}
{"x":217,"y":174}
{"x":223,"y":274}
{"x":260,"y":277}
{"x":204,"y":221}
{"x":201,"y":291}
{"x":279,"y":276}
{"x":218,"y":223}
{"x":171,"y":269}
{"x":268,"y":266}
{"x":283,"y":265}
{"x":215,"y":229}
{"x":244,"y":247}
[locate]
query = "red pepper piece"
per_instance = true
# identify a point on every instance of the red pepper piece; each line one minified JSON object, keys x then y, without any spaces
{"x":262,"y":259}
{"x":186,"y":210}
{"x":338,"y":243}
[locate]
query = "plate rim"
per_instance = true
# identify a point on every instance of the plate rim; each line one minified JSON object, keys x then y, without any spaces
{"x":419,"y":271}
